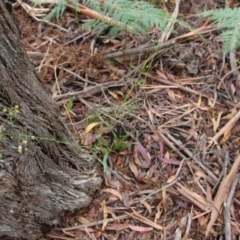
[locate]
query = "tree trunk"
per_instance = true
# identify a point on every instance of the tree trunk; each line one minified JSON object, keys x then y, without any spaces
{"x":41,"y":177}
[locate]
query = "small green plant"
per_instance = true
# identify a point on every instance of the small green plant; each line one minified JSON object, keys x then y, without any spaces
{"x":227,"y":20}
{"x":10,"y":113}
{"x":119,"y":143}
{"x":8,"y":129}
{"x":69,"y":104}
{"x":22,"y":139}
{"x":114,"y":141}
{"x":104,"y":146}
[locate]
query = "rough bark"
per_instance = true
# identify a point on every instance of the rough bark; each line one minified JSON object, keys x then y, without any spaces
{"x":36,"y":186}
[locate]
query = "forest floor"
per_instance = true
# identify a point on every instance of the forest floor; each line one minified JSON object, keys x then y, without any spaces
{"x":163,"y":123}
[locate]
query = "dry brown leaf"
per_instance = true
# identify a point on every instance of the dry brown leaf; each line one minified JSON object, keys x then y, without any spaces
{"x":142,"y":219}
{"x":135,"y":156}
{"x":203,"y":221}
{"x":169,"y":160}
{"x":134,"y":169}
{"x":114,"y":192}
{"x":209,"y":195}
{"x":222,"y":194}
{"x":192,"y":196}
{"x":147,"y":206}
{"x":171,"y":95}
{"x":82,"y":220}
{"x":91,"y":236}
{"x":114,"y":95}
{"x":171,"y":179}
{"x":68,"y":234}
{"x":139,"y":228}
{"x":200,"y":174}
{"x":216,"y":122}
{"x":226,"y":135}
{"x":98,"y":234}
{"x":164,"y":199}
{"x":145,"y":156}
{"x":192,"y":134}
{"x":104,"y":130}
{"x":105,"y":214}
{"x":126,"y":201}
{"x":113,"y":214}
{"x":158,"y":213}
{"x":162,"y":75}
{"x":231,"y":114}
{"x":154,"y":111}
{"x":89,"y":138}
{"x":149,"y":181}
{"x":225,"y":129}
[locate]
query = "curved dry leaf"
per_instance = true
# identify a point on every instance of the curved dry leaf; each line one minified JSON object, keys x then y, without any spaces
{"x":147,"y":206}
{"x":142,"y":219}
{"x":91,"y":126}
{"x":83,"y":220}
{"x":134,"y":169}
{"x":145,"y":155}
{"x":231,"y":114}
{"x":200,"y":174}
{"x":114,"y":95}
{"x":222,"y":194}
{"x":114,"y":192}
{"x":171,"y":178}
{"x":226,"y":128}
{"x":169,"y":160}
{"x":195,"y":198}
{"x":149,"y":181}
{"x":126,"y":201}
{"x":193,"y":134}
{"x":158,"y":213}
{"x":105,"y":213}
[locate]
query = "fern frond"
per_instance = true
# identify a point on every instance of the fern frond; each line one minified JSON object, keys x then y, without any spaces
{"x":136,"y":17}
{"x":228,"y":20}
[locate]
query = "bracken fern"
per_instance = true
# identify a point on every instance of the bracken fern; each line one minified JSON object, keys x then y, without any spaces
{"x":136,"y":17}
{"x":228,"y":20}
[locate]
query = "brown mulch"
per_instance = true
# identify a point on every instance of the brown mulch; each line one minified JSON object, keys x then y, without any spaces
{"x":173,"y":110}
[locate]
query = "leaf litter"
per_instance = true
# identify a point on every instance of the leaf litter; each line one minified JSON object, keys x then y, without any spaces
{"x":165,"y":120}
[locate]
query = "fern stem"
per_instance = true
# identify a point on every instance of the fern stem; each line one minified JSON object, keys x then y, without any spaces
{"x":95,"y":15}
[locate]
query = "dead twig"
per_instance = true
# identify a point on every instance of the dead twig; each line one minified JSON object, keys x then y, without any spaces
{"x":225,"y":129}
{"x":156,"y":49}
{"x":141,"y":49}
{"x":169,"y":83}
{"x":96,"y":223}
{"x":166,"y":34}
{"x":222,"y":194}
{"x":168,"y":185}
{"x":227,"y":205}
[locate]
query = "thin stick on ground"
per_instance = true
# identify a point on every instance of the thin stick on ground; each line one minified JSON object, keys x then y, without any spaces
{"x":227,"y":205}
{"x":96,"y":223}
{"x":168,"y":185}
{"x":224,"y":129}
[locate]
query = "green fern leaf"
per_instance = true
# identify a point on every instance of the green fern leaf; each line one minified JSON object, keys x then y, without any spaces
{"x":136,"y":17}
{"x":227,"y":20}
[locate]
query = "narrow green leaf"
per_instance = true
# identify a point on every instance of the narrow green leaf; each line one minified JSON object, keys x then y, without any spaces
{"x":70,"y":104}
{"x":105,"y":158}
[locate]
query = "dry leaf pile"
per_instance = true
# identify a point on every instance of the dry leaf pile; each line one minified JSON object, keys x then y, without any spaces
{"x":177,"y":105}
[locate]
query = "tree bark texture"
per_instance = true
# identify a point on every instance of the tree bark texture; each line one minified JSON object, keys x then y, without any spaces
{"x":55,"y":175}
